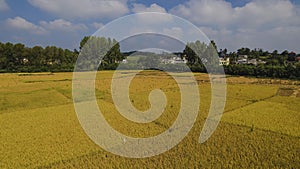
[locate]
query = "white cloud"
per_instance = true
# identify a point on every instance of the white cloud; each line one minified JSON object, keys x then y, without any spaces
{"x":83,"y":9}
{"x":205,"y":11}
{"x":267,"y":12}
{"x":148,"y":18}
{"x":153,"y":8}
{"x":63,"y":25}
{"x":174,"y":32}
{"x":44,"y":27}
{"x":280,"y":38}
{"x":256,"y":13}
{"x":57,"y":32}
{"x":97,"y":25}
{"x":3,"y":5}
{"x":270,"y":24}
{"x":19,"y":23}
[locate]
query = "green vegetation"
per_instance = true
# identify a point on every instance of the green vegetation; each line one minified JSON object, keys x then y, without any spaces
{"x":18,"y":58}
{"x":286,"y":72}
{"x":266,"y":64}
{"x":39,"y":128}
{"x":257,"y":63}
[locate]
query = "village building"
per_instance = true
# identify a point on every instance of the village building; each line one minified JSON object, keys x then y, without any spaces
{"x":223,"y":61}
{"x":174,"y":60}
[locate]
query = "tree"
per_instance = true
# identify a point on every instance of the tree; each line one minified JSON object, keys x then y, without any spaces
{"x":83,"y":42}
{"x":275,"y":52}
{"x":214,"y":45}
{"x":193,"y":52}
{"x":243,"y":51}
{"x":233,"y":57}
{"x":285,"y":53}
{"x":3,"y":58}
{"x":95,"y":50}
{"x":9,"y":54}
{"x":114,"y":54}
{"x":190,"y":55}
{"x":17,"y":54}
{"x":291,"y":56}
{"x":37,"y":58}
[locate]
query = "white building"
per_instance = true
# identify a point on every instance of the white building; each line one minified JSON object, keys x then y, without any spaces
{"x":223,"y":61}
{"x":174,"y":60}
{"x":124,"y":61}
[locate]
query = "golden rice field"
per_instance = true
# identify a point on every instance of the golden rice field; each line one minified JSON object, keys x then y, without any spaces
{"x":39,"y":127}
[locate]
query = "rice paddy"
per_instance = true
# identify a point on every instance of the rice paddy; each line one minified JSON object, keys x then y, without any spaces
{"x":39,"y":127}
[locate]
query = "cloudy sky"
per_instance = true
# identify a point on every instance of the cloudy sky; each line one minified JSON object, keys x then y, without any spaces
{"x":267,"y":24}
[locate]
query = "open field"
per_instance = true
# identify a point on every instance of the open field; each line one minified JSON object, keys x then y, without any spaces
{"x":39,"y":127}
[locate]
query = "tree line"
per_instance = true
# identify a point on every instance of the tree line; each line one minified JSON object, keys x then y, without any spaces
{"x":19,"y":58}
{"x":272,"y":64}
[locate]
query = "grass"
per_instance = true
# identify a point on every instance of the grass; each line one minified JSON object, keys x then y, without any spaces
{"x":39,"y":127}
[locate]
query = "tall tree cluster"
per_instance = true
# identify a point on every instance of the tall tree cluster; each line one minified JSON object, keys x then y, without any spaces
{"x":19,"y":58}
{"x":100,"y":53}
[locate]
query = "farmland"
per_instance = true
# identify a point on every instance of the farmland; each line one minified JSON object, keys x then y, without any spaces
{"x":39,"y":127}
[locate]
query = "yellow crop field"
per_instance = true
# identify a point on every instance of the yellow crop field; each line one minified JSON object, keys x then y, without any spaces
{"x":39,"y":126}
{"x":267,"y":115}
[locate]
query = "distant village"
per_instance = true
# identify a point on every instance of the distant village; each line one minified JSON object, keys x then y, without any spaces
{"x":244,"y":61}
{"x":226,"y":59}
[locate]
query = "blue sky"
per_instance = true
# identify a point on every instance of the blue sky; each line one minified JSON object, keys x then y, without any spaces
{"x":268,"y":24}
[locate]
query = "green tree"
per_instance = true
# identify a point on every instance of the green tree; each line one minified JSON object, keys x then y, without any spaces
{"x":83,"y":42}
{"x":194,"y":51}
{"x":99,"y":50}
{"x":214,"y":45}
{"x":37,"y":58}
